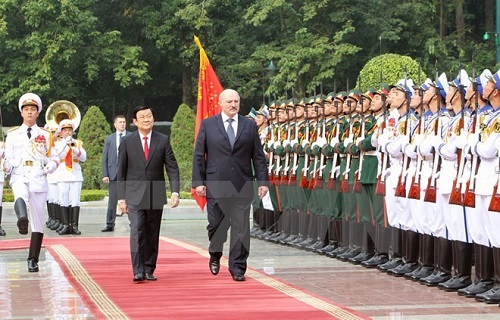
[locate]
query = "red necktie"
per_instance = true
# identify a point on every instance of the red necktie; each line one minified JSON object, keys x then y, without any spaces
{"x":146,"y":148}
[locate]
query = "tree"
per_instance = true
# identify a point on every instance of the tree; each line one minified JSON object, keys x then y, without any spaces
{"x":389,"y":68}
{"x":93,"y":131}
{"x":182,"y":140}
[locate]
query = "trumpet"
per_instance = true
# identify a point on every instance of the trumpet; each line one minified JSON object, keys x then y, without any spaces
{"x":71,"y":142}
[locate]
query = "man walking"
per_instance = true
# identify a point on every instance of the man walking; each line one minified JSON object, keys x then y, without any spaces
{"x":227,"y":146}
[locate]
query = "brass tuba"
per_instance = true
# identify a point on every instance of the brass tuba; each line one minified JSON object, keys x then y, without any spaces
{"x":60,"y":110}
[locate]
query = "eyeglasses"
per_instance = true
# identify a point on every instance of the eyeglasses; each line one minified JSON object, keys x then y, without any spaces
{"x":143,"y":117}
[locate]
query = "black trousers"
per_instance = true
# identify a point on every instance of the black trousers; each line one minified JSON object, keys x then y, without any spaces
{"x":112,"y":201}
{"x":234,"y":214}
{"x":144,"y":238}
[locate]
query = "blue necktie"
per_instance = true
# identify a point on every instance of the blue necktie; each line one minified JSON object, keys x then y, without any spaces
{"x":230,"y":132}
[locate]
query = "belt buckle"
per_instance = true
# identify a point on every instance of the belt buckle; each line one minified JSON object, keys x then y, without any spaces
{"x":28,"y":163}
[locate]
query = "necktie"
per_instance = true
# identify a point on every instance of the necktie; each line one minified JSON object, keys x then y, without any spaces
{"x":146,"y":148}
{"x":29,"y":133}
{"x":230,"y":132}
{"x":120,"y":137}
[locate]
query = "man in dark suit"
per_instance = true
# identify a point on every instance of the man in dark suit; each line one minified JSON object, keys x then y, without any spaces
{"x":227,"y":147}
{"x":142,"y":157}
{"x":109,"y":166}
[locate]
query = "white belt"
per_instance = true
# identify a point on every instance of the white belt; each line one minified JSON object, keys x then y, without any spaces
{"x":370,"y":153}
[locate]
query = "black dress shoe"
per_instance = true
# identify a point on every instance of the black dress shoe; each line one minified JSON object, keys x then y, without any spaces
{"x":2,"y":232}
{"x":151,"y":277}
{"x":363,"y":256}
{"x":425,"y":271}
{"x":32,"y":265}
{"x":403,"y":269}
{"x":375,"y":261}
{"x":393,"y":263}
{"x":339,"y":250}
{"x":238,"y":277}
{"x":456,"y":284}
{"x":490,"y":296}
{"x":139,"y":277}
{"x":108,"y":229}
{"x":475,"y":289}
{"x":214,"y":265}
{"x":437,"y":279}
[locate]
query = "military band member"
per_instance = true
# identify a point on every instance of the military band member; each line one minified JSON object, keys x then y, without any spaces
{"x":28,"y":160}
{"x":70,"y":178}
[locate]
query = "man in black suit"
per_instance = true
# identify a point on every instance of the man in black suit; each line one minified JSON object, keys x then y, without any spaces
{"x":109,"y":166}
{"x":142,"y":192}
{"x":227,"y":147}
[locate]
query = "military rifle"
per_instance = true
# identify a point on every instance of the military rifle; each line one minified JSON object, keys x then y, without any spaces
{"x":331,"y":179}
{"x":469,"y":199}
{"x":357,"y":185}
{"x":380,"y":187}
{"x":495,"y":198}
{"x":430,"y":192}
{"x":401,"y":186}
{"x":344,"y":183}
{"x":303,"y":179}
{"x":456,"y":190}
{"x":414,"y":192}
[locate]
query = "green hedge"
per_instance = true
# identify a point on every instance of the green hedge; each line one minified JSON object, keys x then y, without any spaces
{"x":87,"y":195}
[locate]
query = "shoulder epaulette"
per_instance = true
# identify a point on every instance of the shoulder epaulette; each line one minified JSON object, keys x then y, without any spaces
{"x":12,"y":129}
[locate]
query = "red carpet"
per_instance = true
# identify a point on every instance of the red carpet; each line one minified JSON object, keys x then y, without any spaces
{"x":100,"y":271}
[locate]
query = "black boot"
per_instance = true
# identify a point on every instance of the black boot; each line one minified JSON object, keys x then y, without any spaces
{"x":2,"y":232}
{"x":463,"y":267}
{"x":411,"y":257}
{"x":57,"y":217}
{"x":483,"y":271}
{"x":443,"y":273}
{"x":34,"y":253}
{"x":65,"y":217}
{"x":492,"y":296}
{"x":49,"y":212}
{"x":74,"y":218}
{"x":426,"y":258}
{"x":22,"y":215}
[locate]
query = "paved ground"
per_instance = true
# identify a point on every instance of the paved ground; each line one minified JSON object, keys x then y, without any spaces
{"x":47,"y":294}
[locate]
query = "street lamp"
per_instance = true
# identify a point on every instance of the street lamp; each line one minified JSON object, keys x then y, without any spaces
{"x":271,"y":69}
{"x":487,"y":36}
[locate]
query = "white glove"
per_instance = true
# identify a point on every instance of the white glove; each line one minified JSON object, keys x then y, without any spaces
{"x":383,"y":139}
{"x":50,"y":167}
{"x":294,"y":142}
{"x":270,"y":144}
{"x":347,"y":141}
{"x":404,"y":140}
{"x":334,"y":141}
{"x":473,"y":139}
{"x":305,"y":143}
{"x":286,"y":143}
{"x":410,"y":151}
{"x":436,"y":141}
{"x":75,"y":151}
{"x":276,"y":144}
{"x":321,"y":141}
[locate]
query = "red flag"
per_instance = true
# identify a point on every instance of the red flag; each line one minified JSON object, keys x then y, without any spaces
{"x":209,"y":89}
